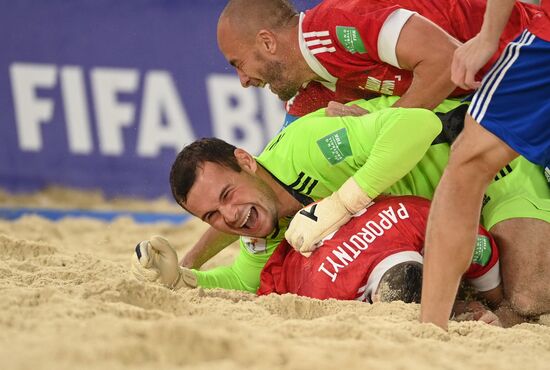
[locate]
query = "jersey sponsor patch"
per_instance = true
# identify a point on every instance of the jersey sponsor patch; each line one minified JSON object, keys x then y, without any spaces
{"x":335,"y":147}
{"x":350,"y":39}
{"x":482,"y":252}
{"x":254,"y":245}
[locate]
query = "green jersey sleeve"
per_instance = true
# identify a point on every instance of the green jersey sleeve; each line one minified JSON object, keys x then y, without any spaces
{"x":403,"y":138}
{"x":383,"y":102}
{"x":317,"y":154}
{"x":244,"y":273}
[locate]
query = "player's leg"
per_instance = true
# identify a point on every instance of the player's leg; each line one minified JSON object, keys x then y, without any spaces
{"x":476,"y":156}
{"x":511,"y":106}
{"x":517,"y":212}
{"x":525,"y":261}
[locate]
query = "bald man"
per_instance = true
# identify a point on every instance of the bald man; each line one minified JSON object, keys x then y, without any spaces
{"x":345,"y":50}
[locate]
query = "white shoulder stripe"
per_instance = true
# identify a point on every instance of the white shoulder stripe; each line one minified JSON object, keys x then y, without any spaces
{"x":323,"y":50}
{"x":315,"y":34}
{"x":327,"y":79}
{"x":318,"y":42}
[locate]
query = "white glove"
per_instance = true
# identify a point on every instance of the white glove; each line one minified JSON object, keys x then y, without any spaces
{"x":312,"y":223}
{"x":155,"y":259}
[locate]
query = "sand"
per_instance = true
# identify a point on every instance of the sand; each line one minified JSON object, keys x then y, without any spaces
{"x":68,"y":301}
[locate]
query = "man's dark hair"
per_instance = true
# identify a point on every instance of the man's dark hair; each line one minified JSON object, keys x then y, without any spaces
{"x":184,"y":169}
{"x":402,"y":282}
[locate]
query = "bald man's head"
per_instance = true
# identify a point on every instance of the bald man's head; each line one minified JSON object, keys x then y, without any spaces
{"x":260,"y":39}
{"x":249,"y":17}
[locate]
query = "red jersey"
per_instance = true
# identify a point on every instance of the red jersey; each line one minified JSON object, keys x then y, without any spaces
{"x":351,"y":44}
{"x":540,"y":25}
{"x":350,"y":263}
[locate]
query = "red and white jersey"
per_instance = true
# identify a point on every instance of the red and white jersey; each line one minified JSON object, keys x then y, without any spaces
{"x":350,"y":263}
{"x":351,"y":44}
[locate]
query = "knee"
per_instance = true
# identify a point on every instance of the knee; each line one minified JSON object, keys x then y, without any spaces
{"x":528,"y":304}
{"x":469,"y":166}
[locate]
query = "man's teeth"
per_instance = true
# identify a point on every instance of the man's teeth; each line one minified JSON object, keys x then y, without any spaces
{"x":246,"y":218}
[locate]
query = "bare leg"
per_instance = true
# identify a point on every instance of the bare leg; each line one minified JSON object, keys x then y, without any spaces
{"x":476,"y":157}
{"x":524,"y":242}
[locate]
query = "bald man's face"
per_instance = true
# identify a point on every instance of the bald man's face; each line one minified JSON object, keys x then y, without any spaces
{"x":256,"y":63}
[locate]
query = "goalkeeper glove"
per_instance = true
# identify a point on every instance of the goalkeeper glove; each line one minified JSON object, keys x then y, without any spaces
{"x":315,"y":221}
{"x":155,"y":259}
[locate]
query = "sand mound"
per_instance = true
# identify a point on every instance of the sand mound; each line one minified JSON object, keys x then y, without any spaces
{"x":68,"y":302}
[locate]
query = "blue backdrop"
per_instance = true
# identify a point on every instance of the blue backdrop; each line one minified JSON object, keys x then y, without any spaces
{"x":104,"y":93}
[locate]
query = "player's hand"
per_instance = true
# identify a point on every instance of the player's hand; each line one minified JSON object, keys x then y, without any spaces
{"x":155,"y":259}
{"x":335,"y":109}
{"x":487,"y":317}
{"x":474,"y":310}
{"x":469,"y":58}
{"x":312,"y":223}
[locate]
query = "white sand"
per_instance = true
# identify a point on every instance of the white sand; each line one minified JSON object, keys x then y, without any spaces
{"x":67,"y":301}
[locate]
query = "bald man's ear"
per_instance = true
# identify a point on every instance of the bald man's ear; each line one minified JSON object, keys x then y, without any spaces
{"x":267,"y":41}
{"x":246,"y":160}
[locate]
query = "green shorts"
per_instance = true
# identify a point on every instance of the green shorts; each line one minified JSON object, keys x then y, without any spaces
{"x":520,"y":190}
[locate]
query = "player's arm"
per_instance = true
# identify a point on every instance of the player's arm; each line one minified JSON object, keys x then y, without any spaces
{"x":243,"y":275}
{"x":484,"y":271}
{"x":426,"y":50}
{"x":402,"y":138}
{"x":474,"y":54}
{"x":156,"y":260}
{"x":477,"y":311}
{"x":493,"y":297}
{"x":210,"y":244}
{"x":391,"y":143}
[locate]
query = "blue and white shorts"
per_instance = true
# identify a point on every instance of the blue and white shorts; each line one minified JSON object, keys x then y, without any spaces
{"x":513,"y":101}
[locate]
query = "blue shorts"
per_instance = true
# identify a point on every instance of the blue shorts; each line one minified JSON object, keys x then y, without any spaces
{"x":513,"y":101}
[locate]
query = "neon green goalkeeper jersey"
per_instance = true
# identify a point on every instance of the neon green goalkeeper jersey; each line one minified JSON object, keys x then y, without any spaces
{"x":387,"y":151}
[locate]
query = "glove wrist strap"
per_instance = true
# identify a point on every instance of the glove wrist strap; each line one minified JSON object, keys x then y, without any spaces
{"x":185,"y":278}
{"x":176,"y":282}
{"x":352,"y":196}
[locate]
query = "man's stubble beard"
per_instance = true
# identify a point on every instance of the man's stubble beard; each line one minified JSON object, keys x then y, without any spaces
{"x":278,"y":80}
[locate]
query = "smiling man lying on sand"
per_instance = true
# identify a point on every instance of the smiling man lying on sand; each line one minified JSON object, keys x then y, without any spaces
{"x":340,"y":162}
{"x":374,"y":257}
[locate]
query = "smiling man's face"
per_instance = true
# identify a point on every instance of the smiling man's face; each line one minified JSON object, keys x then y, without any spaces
{"x":238,"y":203}
{"x":258,"y":63}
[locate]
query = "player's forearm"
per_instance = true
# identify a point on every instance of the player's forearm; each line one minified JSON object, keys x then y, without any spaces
{"x":493,"y":297}
{"x":224,"y":277}
{"x":495,"y":19}
{"x":430,"y":86}
{"x":244,"y":274}
{"x":403,"y":140}
{"x":210,"y":244}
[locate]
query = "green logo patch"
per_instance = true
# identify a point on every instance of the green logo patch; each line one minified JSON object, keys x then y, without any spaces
{"x":350,"y":39}
{"x":335,"y":147}
{"x":482,"y":253}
